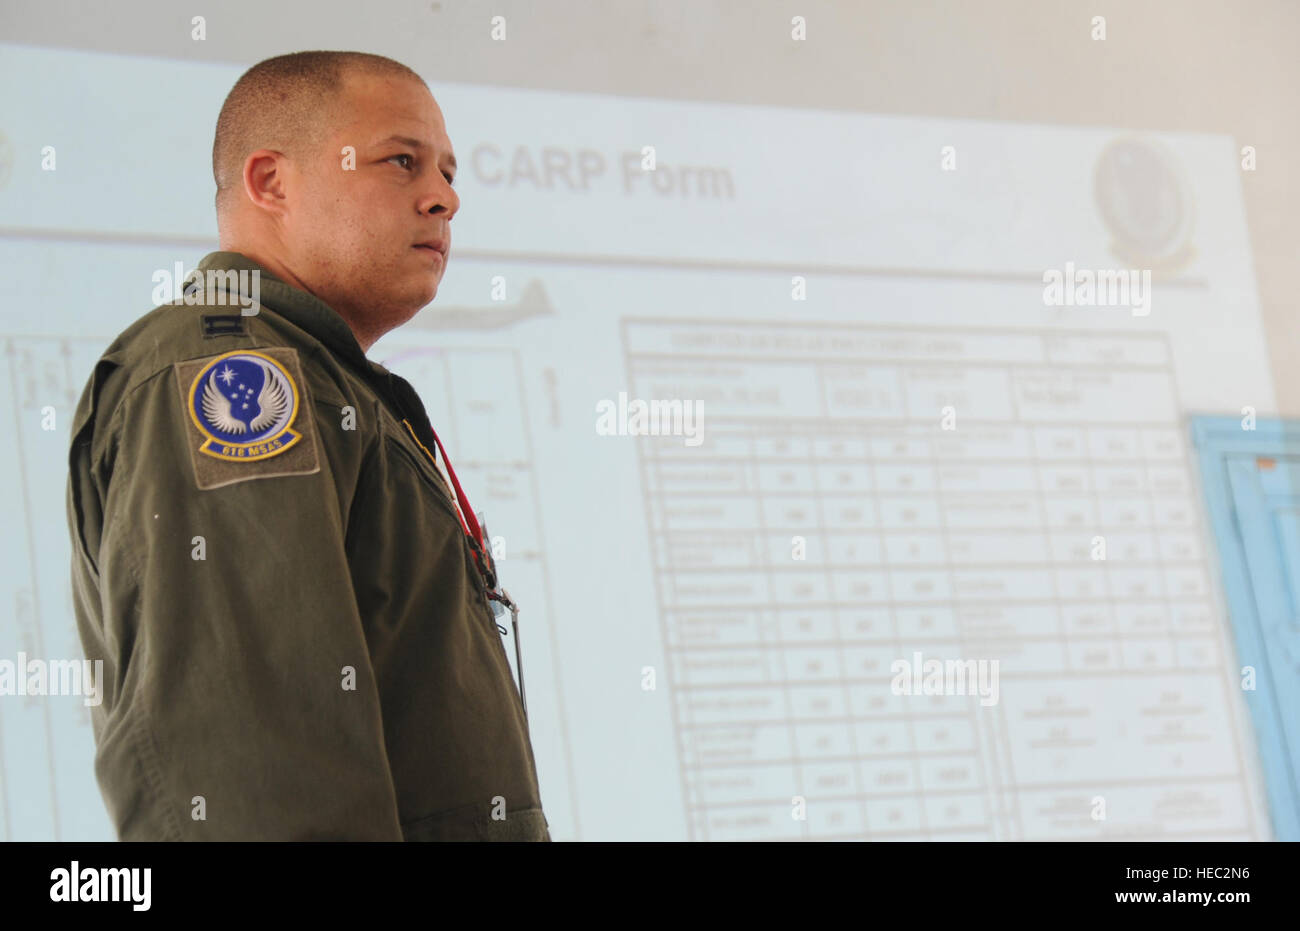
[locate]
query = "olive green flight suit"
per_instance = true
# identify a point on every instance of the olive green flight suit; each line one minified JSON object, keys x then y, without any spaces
{"x":297,"y":643}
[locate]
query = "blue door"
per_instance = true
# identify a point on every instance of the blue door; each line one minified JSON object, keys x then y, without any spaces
{"x":1251,"y":480}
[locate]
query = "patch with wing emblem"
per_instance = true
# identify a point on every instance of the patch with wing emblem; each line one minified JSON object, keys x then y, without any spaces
{"x":244,"y":409}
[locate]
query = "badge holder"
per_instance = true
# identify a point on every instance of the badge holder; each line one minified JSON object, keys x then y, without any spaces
{"x":500,"y":601}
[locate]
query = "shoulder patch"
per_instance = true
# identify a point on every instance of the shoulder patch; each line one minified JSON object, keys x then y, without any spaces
{"x":247,"y":416}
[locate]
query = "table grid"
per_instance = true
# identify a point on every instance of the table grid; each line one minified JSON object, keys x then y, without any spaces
{"x":971,"y":543}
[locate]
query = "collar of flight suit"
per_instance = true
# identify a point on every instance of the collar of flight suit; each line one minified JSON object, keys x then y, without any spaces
{"x":312,"y":315}
{"x":303,"y":310}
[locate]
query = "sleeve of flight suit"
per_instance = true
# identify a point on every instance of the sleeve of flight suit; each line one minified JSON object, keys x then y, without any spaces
{"x":246,"y":705}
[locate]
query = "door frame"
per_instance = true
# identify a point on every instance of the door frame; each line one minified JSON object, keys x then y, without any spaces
{"x":1217,"y":439}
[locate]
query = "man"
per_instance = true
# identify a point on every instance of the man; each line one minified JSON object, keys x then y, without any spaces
{"x":290,"y":599}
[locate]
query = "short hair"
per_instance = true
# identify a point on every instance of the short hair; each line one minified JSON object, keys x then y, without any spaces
{"x":285,"y":103}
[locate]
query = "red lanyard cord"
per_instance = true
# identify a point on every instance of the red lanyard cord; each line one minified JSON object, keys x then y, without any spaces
{"x":468,"y":521}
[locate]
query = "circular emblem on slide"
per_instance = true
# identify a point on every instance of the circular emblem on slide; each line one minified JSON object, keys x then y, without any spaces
{"x":244,"y":402}
{"x":1146,"y":202}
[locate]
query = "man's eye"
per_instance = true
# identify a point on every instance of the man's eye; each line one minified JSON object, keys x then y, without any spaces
{"x":404,"y":155}
{"x":451,"y":179}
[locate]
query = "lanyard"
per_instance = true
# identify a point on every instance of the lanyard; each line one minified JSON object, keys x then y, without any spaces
{"x":482,"y":555}
{"x":463,"y":510}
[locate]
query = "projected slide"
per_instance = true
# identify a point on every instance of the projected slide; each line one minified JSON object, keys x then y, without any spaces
{"x":910,"y":448}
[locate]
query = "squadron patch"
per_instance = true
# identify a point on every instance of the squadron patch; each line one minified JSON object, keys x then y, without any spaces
{"x":247,"y":416}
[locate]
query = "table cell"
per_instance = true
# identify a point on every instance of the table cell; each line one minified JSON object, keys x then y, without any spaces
{"x":1197,"y":653}
{"x":754,"y":823}
{"x":1105,"y":443}
{"x":842,"y":478}
{"x":811,"y":702}
{"x":1162,"y":443}
{"x":729,"y":704}
{"x":897,"y":818}
{"x":711,"y":628}
{"x":1169,"y":480}
{"x":810,"y":664}
{"x":1070,"y":512}
{"x":887,"y":777}
{"x":1119,"y":480}
{"x":812,"y":624}
{"x":849,"y":512}
{"x":728,"y":785}
{"x":1147,"y":654}
{"x":1135,"y":583}
{"x":1186,"y":583}
{"x":946,"y":773}
{"x":822,"y":741}
{"x":944,"y":735}
{"x":882,"y":737}
{"x":1141,"y":618}
{"x":924,"y":624}
{"x":836,"y":820}
{"x":732,"y":744}
{"x":913,"y":512}
{"x":834,"y":448}
{"x":864,"y":624}
{"x":1172,"y":513}
{"x":915,"y":548}
{"x":948,"y":812}
{"x":915,"y":477}
{"x":785,"y":478}
{"x":1093,"y":656}
{"x":1060,"y":443}
{"x":920,"y":586}
{"x":854,"y":587}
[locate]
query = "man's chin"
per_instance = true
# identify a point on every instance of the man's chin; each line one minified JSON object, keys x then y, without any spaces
{"x":419,"y":301}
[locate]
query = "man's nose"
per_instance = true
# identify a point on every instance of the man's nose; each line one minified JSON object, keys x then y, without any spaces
{"x":441,"y":199}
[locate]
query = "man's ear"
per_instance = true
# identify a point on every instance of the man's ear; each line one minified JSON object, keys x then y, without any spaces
{"x":266,"y":177}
